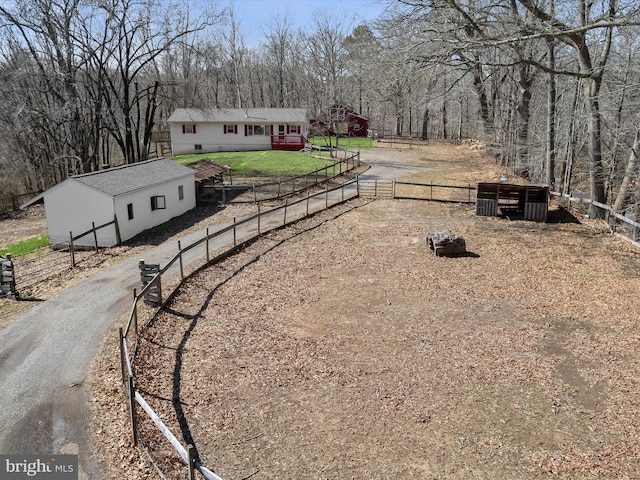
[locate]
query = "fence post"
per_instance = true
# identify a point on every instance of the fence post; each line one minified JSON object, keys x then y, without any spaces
{"x":258,"y":219}
{"x":180,"y":259}
{"x":469,"y":193}
{"x":307,"y":204}
{"x":326,"y":196}
{"x":255,"y":198}
{"x":393,"y":189}
{"x":132,"y":410}
{"x":286,"y":204}
{"x":71,"y":251}
{"x":191,"y":460}
{"x":135,"y":312}
{"x":234,"y":232}
{"x":207,"y":244}
{"x":122,"y":364}
{"x":358,"y":185}
{"x":95,"y":236}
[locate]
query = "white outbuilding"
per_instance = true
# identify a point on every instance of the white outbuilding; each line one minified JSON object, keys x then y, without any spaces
{"x":140,"y":196}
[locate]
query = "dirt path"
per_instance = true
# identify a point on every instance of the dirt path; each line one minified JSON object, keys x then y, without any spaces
{"x":342,"y":348}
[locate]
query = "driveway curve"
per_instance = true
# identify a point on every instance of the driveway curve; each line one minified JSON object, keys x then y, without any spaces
{"x":46,"y":353}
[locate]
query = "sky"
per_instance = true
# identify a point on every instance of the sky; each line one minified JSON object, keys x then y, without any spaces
{"x":256,"y":15}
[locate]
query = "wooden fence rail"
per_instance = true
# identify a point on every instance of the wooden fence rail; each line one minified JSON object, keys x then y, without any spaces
{"x":253,"y":192}
{"x":328,"y":198}
{"x":443,"y":193}
{"x":40,"y":264}
{"x":255,"y":225}
{"x":619,"y":225}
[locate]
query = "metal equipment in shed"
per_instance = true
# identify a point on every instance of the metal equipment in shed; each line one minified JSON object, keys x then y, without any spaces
{"x":513,"y":200}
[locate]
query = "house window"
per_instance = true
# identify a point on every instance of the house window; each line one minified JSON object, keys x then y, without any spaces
{"x":158,"y":202}
{"x":188,"y":128}
{"x":230,"y":129}
{"x":130,"y":211}
{"x":197,"y":147}
{"x":180,"y":192}
{"x":257,"y":130}
{"x":294,"y":129}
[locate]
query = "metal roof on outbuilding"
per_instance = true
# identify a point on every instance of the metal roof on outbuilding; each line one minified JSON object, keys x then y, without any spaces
{"x":207,"y":168}
{"x":239,"y":115}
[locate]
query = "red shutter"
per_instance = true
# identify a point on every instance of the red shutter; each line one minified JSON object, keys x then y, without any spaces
{"x":235,"y":129}
{"x":246,"y":127}
{"x":288,"y":129}
{"x":194,"y":129}
{"x":184,"y":128}
{"x":271,"y":129}
{"x":225,"y":128}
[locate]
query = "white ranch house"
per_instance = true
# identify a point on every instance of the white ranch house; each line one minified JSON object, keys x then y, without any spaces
{"x":197,"y":130}
{"x":141,"y":195}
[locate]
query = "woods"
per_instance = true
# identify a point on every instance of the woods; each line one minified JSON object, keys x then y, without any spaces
{"x":551,"y":88}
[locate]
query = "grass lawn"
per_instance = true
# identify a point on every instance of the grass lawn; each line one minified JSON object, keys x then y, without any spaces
{"x":356,"y":143}
{"x":267,"y":162}
{"x":26,"y":246}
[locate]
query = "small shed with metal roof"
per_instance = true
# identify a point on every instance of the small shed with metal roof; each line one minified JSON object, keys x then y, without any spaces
{"x":140,"y":195}
{"x":513,"y":200}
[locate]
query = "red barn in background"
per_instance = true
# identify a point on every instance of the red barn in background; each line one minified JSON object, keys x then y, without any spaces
{"x":344,"y":120}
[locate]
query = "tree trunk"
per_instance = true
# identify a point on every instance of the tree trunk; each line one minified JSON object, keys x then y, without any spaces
{"x":425,"y":125}
{"x":591,"y":90}
{"x":550,"y":160}
{"x":524,"y":107}
{"x":632,"y":162}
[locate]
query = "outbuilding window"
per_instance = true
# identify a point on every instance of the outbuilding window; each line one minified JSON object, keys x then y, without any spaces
{"x":158,"y":202}
{"x":130,"y":211}
{"x":180,"y":192}
{"x":188,"y":128}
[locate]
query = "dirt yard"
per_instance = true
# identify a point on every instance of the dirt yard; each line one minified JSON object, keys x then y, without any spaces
{"x":341,"y":347}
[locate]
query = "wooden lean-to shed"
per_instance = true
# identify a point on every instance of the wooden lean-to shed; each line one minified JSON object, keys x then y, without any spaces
{"x":141,"y":195}
{"x":513,"y":200}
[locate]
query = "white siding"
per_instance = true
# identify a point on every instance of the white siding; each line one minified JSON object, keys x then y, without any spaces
{"x":213,"y":139}
{"x":71,"y":207}
{"x":143,"y":217}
